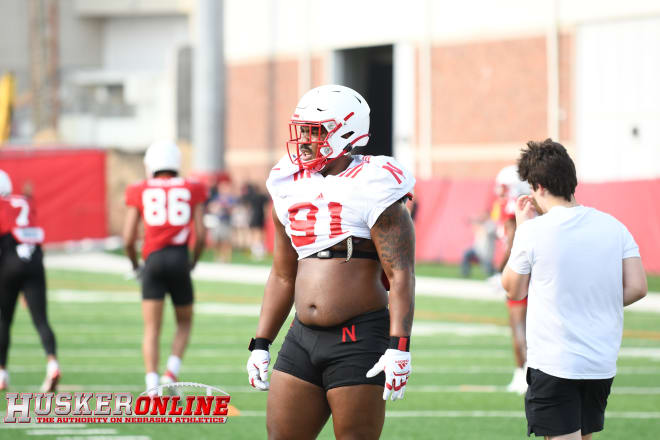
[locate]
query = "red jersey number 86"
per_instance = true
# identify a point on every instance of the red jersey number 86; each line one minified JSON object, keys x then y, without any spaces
{"x":166,"y":206}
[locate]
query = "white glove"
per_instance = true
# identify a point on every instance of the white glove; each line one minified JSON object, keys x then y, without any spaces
{"x":135,"y":274}
{"x":397,"y":367}
{"x":257,"y":368}
{"x":25,"y":251}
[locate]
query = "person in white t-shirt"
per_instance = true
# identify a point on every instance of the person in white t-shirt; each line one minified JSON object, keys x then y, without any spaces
{"x":340,"y":221}
{"x":579,"y":267}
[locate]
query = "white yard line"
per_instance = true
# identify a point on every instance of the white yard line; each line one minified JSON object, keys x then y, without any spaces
{"x":418,"y":414}
{"x":484,"y":414}
{"x":35,"y":425}
{"x":463,"y":388}
{"x":257,"y":275}
{"x":106,"y":437}
{"x":421,"y":328}
{"x":450,"y":353}
{"x":188,"y":370}
{"x":93,"y":296}
{"x":92,"y":431}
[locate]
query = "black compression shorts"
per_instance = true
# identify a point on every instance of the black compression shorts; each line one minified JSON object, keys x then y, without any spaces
{"x":336,"y":356}
{"x":168,"y":270}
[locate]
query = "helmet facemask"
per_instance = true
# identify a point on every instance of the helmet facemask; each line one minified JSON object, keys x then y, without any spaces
{"x":337,"y":118}
{"x":311,"y":137}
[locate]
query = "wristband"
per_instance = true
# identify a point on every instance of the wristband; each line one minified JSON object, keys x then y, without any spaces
{"x":259,"y":344}
{"x":401,"y":344}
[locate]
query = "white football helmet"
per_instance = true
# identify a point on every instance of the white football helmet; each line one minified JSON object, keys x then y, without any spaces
{"x":5,"y":184}
{"x":509,"y":179}
{"x":342,"y":113}
{"x":162,"y":155}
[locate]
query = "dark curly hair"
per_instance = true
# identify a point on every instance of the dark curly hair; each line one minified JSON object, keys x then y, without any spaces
{"x":548,"y":164}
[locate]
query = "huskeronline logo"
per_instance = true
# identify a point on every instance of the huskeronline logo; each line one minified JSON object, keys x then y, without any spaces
{"x":119,"y":407}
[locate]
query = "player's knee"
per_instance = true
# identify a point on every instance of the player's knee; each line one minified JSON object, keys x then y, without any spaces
{"x":358,"y":433}
{"x":183,"y":328}
{"x":151,"y":331}
{"x":357,"y":429}
{"x":42,"y":327}
{"x":184,"y":323}
{"x":276,"y":431}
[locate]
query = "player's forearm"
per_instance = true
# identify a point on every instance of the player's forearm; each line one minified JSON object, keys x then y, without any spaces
{"x":131,"y":253}
{"x":276,"y":305}
{"x":198,"y":248}
{"x":200,"y":233}
{"x":402,"y":304}
{"x":635,"y":284}
{"x":632,"y":295}
{"x":510,"y":230}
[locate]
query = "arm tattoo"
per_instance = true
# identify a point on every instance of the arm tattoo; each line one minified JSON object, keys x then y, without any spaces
{"x":394,"y":237}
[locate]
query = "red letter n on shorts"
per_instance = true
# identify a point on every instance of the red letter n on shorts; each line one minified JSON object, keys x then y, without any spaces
{"x":351,"y":333}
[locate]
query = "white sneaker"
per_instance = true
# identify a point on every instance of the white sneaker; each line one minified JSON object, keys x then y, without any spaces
{"x":151,"y":382}
{"x":166,"y":379}
{"x":519,"y":382}
{"x":4,"y":380}
{"x":50,"y":382}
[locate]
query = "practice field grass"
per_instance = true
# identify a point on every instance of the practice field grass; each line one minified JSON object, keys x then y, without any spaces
{"x":461,"y":355}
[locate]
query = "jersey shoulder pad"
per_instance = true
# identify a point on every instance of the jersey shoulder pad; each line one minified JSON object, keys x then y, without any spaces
{"x":383,"y":182}
{"x":386,"y":172}
{"x":280,"y":173}
{"x":197,"y":188}
{"x":193,"y":181}
{"x":133,"y":193}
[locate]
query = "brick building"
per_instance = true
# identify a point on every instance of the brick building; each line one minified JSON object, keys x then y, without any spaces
{"x":455,"y":87}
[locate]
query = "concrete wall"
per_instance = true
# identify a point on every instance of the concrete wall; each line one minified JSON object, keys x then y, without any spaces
{"x":138,"y":54}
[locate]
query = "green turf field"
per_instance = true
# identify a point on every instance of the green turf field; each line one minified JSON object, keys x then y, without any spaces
{"x":461,"y":364}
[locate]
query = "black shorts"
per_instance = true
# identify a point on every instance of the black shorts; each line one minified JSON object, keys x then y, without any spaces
{"x":19,"y":275}
{"x":13,"y":266}
{"x":332,"y":357}
{"x":556,"y":406}
{"x":168,"y":270}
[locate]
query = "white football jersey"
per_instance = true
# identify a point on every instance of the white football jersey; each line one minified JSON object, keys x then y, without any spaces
{"x":318,"y":212}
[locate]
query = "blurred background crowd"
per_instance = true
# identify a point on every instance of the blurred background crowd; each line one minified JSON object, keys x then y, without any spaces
{"x":235,"y":219}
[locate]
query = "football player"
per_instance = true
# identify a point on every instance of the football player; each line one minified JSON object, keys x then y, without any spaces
{"x":508,"y":187}
{"x":340,"y":221}
{"x":169,"y":206}
{"x":22,"y":270}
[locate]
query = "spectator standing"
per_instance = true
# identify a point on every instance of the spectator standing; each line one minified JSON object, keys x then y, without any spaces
{"x":580,"y":267}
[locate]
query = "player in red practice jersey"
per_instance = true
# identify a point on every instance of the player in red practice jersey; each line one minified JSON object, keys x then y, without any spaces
{"x":508,"y":187}
{"x":22,"y":269}
{"x":169,"y":206}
